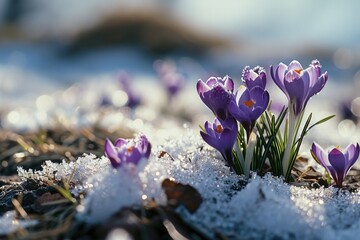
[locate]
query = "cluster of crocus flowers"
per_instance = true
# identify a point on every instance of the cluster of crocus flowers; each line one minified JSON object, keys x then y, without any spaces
{"x":128,"y":153}
{"x":245,"y":106}
{"x":239,"y":116}
{"x":336,"y":162}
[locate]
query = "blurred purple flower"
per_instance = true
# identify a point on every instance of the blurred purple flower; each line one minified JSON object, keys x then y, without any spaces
{"x":299,"y":84}
{"x":133,"y":98}
{"x":173,"y":82}
{"x":126,"y":152}
{"x":254,"y":77}
{"x":169,"y":76}
{"x":222,"y":136}
{"x":248,"y":105}
{"x":216,"y":93}
{"x":336,"y":162}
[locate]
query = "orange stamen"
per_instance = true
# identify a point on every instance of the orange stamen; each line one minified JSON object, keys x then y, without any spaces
{"x":299,"y":70}
{"x":130,"y":149}
{"x":249,"y":103}
{"x":218,"y":129}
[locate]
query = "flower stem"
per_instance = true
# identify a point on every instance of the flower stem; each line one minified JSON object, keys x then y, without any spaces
{"x":290,"y":140}
{"x":249,"y":152}
{"x":239,"y":157}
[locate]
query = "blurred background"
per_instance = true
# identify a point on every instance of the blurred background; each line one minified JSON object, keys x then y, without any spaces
{"x":64,"y":45}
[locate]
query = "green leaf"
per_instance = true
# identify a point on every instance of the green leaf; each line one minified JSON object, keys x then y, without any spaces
{"x":321,"y":121}
{"x":65,"y":192}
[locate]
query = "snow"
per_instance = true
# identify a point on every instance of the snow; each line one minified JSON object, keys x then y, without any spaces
{"x":266,"y":208}
{"x":9,"y":223}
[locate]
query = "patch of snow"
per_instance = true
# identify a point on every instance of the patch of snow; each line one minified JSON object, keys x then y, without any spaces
{"x":110,"y":191}
{"x":9,"y":223}
{"x":266,"y":208}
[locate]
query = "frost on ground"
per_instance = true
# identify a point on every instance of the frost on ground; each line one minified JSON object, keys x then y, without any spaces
{"x":266,"y":208}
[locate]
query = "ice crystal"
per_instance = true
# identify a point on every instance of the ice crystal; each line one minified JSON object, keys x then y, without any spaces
{"x":77,"y":171}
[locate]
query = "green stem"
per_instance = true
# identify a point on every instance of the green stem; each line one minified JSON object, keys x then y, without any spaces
{"x":290,"y":140}
{"x":239,"y":154}
{"x":249,"y":152}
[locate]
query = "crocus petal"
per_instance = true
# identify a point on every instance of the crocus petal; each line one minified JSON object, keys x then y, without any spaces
{"x":253,"y":75}
{"x":208,"y":127}
{"x":278,"y":76}
{"x":313,"y":75}
{"x":120,"y":142}
{"x":201,"y":87}
{"x":143,"y":145}
{"x":134,"y":157}
{"x":148,"y":151}
{"x":239,"y":113}
{"x":319,"y":84}
{"x":212,"y":81}
{"x":112,"y":154}
{"x":338,"y":162}
{"x":294,"y":65}
{"x":319,"y":154}
{"x":228,"y":139}
{"x":217,"y":100}
{"x":228,"y":83}
{"x":295,"y":90}
{"x":352,"y":154}
{"x":245,"y":96}
{"x":210,"y":140}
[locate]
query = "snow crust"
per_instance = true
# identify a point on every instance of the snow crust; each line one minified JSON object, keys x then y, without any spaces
{"x":265,"y":208}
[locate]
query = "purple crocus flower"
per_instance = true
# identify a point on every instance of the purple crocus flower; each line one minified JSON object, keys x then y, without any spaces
{"x":221,"y":135}
{"x":299,"y":84}
{"x":248,"y":105}
{"x":133,"y":98}
{"x":125,"y":152}
{"x":172,"y":80}
{"x":216,"y":93}
{"x":254,"y":77}
{"x":335,"y":161}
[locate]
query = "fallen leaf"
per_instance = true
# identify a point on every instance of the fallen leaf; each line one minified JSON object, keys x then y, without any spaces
{"x":181,"y":194}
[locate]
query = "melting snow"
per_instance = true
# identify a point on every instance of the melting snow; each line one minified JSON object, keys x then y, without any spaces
{"x":9,"y":223}
{"x":266,"y":208}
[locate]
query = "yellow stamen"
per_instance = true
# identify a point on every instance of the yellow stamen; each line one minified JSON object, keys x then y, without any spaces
{"x":249,"y":103}
{"x":218,"y":129}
